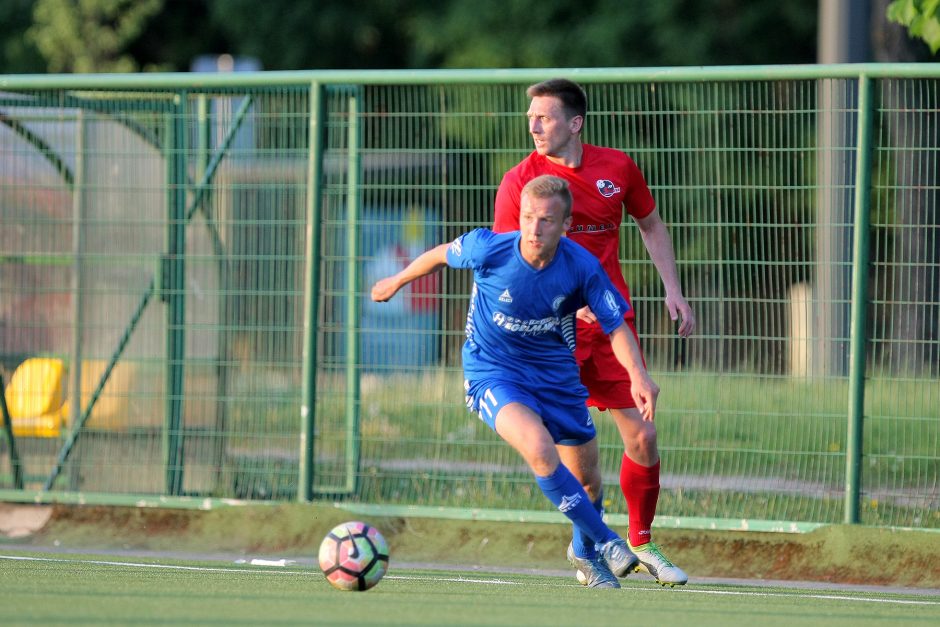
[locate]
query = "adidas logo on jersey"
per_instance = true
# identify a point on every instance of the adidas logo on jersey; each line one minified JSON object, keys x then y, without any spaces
{"x":505,"y":297}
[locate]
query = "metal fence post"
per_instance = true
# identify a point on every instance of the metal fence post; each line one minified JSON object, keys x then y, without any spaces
{"x":175,"y":295}
{"x":353,"y":318}
{"x":16,"y":466}
{"x":317,"y":132}
{"x":858,"y":337}
{"x":78,"y":283}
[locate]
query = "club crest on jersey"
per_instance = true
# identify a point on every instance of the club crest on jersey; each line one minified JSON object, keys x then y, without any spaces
{"x":611,"y":301}
{"x":606,"y":188}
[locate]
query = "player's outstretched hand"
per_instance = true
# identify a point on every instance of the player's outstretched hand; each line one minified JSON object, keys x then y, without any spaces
{"x":645,"y":392}
{"x":385,"y":288}
{"x":679,"y":309}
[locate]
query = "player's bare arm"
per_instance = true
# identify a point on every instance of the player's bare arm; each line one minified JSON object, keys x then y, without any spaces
{"x":642,"y":387}
{"x":659,"y":246}
{"x":426,"y":263}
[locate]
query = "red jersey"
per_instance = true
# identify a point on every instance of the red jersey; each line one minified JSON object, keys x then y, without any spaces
{"x":605,"y":184}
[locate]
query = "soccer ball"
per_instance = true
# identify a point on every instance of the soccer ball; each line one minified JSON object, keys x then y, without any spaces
{"x":354,"y":556}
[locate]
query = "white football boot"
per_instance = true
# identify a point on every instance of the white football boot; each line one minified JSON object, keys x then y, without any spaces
{"x":592,"y":572}
{"x":655,"y":563}
{"x":618,"y":556}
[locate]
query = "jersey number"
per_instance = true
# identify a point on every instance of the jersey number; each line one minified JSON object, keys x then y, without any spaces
{"x":488,"y":403}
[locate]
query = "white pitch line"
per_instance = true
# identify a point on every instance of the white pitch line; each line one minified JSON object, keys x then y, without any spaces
{"x":501,"y":582}
{"x":830,"y":597}
{"x":209,"y":569}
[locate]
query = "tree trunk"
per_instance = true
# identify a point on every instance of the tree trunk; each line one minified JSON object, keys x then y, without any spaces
{"x":912,"y":275}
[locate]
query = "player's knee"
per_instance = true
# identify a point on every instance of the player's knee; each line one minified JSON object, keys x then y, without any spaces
{"x":644,"y":442}
{"x":542,"y":461}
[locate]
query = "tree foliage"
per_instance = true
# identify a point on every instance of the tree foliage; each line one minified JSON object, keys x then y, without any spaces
{"x":90,"y":35}
{"x":291,"y":35}
{"x":127,"y":35}
{"x":614,"y":33}
{"x":920,"y":17}
{"x":17,"y":54}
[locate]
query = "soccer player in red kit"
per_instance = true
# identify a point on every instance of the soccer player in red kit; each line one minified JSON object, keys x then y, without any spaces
{"x":604,"y":183}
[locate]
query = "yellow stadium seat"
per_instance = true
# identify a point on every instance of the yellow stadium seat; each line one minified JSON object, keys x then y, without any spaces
{"x":38,"y":397}
{"x":111,"y":408}
{"x":35,"y":397}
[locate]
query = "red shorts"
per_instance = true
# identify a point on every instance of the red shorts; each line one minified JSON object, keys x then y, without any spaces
{"x":607,"y":381}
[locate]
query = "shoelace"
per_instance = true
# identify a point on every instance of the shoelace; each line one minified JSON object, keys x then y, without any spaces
{"x":654,"y":549}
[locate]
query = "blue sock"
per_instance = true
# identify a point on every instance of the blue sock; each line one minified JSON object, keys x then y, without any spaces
{"x":568,"y":495}
{"x":583,"y":545}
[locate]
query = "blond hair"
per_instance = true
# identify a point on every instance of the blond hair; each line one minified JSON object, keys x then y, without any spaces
{"x":547,"y":186}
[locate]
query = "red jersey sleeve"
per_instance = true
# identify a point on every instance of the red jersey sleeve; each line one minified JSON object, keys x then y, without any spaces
{"x":639,"y":201}
{"x":508,"y":197}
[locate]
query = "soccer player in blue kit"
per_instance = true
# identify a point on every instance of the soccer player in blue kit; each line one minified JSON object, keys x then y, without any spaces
{"x":518,"y":360}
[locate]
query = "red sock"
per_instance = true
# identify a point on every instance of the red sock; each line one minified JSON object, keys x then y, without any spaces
{"x":640,"y":485}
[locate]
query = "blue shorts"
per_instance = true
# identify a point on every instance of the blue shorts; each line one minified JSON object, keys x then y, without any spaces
{"x":564,"y":414}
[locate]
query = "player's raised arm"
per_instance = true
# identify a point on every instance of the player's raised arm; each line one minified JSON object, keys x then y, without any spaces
{"x":642,"y":387}
{"x":426,"y":263}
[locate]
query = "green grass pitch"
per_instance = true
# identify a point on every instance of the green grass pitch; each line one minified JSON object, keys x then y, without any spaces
{"x":44,"y":589}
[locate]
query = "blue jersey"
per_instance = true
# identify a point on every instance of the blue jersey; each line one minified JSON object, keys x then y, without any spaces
{"x":521,"y":320}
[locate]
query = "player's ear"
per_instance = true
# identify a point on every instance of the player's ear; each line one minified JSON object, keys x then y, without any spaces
{"x":575,"y":123}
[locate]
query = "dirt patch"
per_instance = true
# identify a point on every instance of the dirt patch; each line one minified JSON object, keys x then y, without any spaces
{"x":22,"y":521}
{"x":129,"y":520}
{"x":836,"y":554}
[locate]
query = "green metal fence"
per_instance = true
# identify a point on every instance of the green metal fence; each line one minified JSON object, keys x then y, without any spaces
{"x":185,"y":262}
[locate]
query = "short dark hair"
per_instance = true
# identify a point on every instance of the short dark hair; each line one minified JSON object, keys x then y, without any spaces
{"x":572,"y":96}
{"x":547,"y":186}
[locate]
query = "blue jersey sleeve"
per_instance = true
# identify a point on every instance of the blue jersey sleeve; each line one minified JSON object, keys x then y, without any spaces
{"x":603,"y":298}
{"x":468,"y":250}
